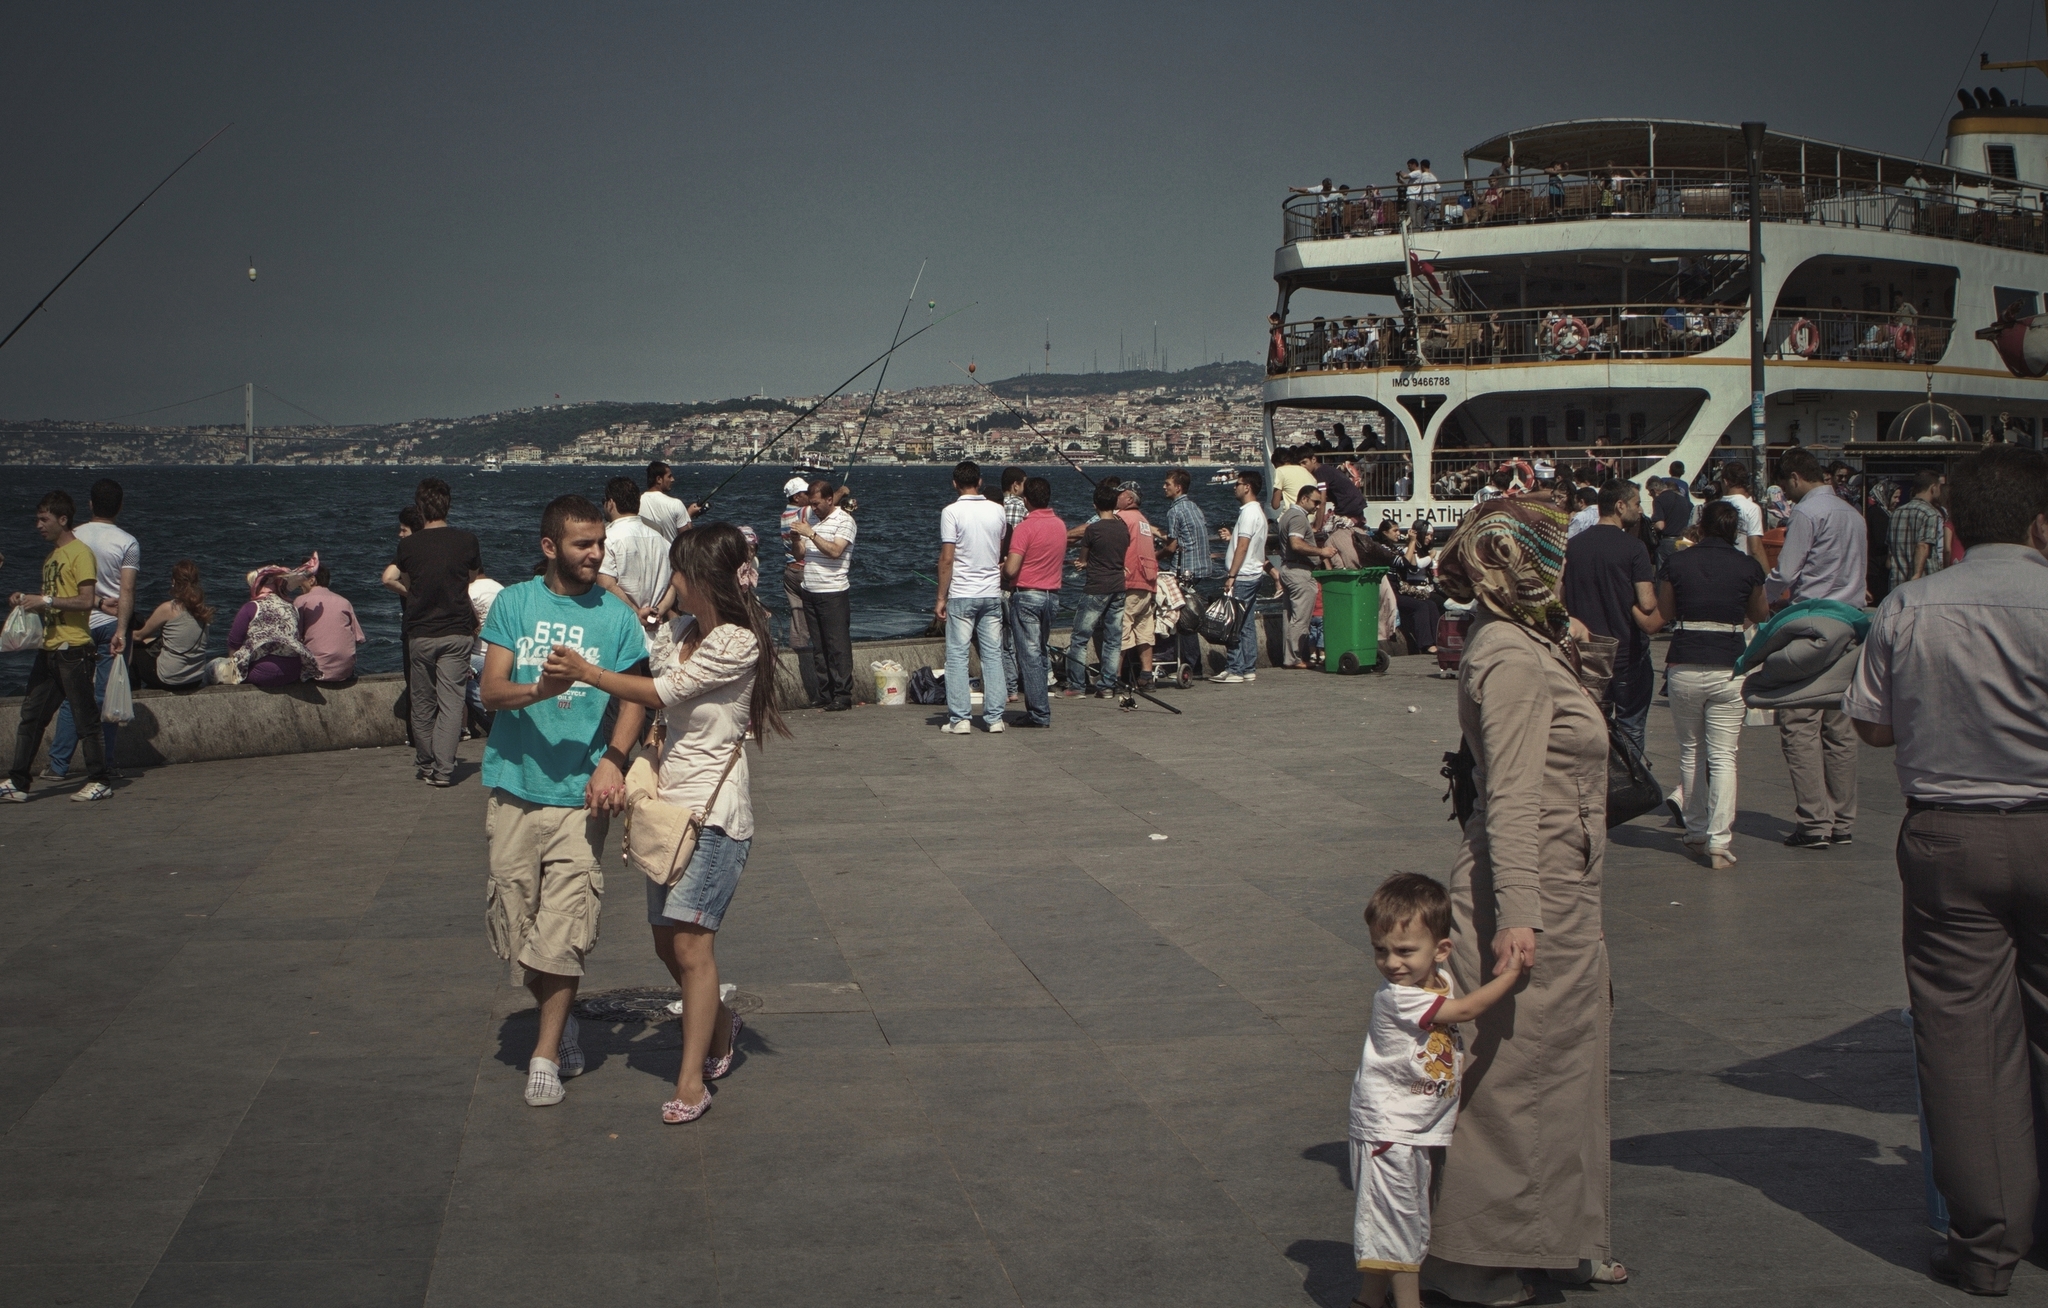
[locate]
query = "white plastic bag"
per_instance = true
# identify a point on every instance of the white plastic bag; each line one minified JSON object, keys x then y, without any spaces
{"x":119,"y":705}
{"x":24,"y":630}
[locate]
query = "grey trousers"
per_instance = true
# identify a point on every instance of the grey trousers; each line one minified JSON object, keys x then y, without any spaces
{"x":800,"y":632}
{"x":1820,"y":753}
{"x":438,"y":677}
{"x":1976,"y":943}
{"x":1298,"y":593}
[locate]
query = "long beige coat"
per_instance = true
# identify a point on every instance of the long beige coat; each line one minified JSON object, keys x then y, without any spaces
{"x":1525,"y":1179}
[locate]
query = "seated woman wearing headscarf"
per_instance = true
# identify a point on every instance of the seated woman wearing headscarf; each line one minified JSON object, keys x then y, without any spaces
{"x":1525,"y":1181}
{"x":264,"y":638}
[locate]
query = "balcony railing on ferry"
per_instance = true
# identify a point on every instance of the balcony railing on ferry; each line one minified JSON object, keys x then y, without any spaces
{"x":1842,"y":336}
{"x":1482,"y":337}
{"x":2013,"y":220}
{"x":1458,"y":474}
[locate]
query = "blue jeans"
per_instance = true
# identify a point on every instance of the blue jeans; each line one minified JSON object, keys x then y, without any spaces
{"x":1244,"y":656}
{"x":64,"y":736}
{"x":975,"y":621}
{"x":1031,"y":614}
{"x":1095,"y":615}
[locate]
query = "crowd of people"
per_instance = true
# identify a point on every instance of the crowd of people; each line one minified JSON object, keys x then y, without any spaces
{"x":635,"y":674}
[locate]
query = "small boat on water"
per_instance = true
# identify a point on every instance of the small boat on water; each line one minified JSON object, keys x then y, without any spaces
{"x":490,"y":464}
{"x":810,"y":472}
{"x":1223,"y":477}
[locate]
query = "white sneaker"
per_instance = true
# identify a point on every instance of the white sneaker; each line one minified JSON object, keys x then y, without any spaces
{"x":92,"y":790}
{"x":961,"y":728}
{"x":543,"y":1087}
{"x":571,"y":1050}
{"x":995,"y":726}
{"x":1249,"y":676}
{"x":12,"y":794}
{"x":1229,"y":679}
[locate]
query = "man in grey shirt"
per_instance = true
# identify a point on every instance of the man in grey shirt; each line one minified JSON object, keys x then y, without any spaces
{"x":1824,"y":558}
{"x":1299,"y":556}
{"x":1952,"y":675}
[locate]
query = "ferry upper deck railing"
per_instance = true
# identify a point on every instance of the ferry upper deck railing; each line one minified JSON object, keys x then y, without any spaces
{"x":1482,"y":337}
{"x":2011,"y":220}
{"x":1457,"y":474}
{"x":1845,"y":336}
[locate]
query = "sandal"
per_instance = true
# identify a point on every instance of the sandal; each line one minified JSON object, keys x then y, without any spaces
{"x":718,"y":1068}
{"x":1608,"y":1273}
{"x":675,"y":1111}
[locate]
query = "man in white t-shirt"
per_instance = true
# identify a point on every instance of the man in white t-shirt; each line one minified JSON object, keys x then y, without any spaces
{"x":659,"y":509}
{"x":828,"y":550}
{"x":796,"y":501}
{"x":119,"y":558}
{"x":1749,"y":515}
{"x":635,"y":566}
{"x":971,"y":600}
{"x":1244,"y":567}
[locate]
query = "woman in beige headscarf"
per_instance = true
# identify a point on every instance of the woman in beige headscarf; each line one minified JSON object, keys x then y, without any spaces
{"x":1525,"y":1180}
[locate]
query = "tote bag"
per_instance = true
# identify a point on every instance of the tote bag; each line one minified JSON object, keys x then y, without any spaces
{"x":660,"y":836}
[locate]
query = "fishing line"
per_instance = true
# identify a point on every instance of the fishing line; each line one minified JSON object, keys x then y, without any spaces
{"x":110,"y":235}
{"x":821,"y":403}
{"x":868,"y":412}
{"x":1056,"y":448}
{"x":289,"y":405}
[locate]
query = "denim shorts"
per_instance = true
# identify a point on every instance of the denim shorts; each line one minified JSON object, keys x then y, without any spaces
{"x":701,"y":896}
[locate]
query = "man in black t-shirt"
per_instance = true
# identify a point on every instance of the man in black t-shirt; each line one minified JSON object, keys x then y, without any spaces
{"x":1609,"y":585}
{"x":1104,"y":542}
{"x":1340,"y":483}
{"x":431,"y":573}
{"x":1671,"y":513}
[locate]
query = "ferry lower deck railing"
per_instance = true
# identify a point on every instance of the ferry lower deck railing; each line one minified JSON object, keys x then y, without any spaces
{"x":1458,"y":474}
{"x":1559,"y":333}
{"x":2010,"y":219}
{"x":1845,"y":336}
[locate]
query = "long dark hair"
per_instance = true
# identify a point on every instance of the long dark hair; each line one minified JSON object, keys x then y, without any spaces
{"x":709,"y":557}
{"x":185,"y":589}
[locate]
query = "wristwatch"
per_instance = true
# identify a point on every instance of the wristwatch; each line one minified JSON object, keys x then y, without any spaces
{"x":49,"y":601}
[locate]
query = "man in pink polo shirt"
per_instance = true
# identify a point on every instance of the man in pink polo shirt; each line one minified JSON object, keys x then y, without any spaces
{"x":1034,"y":564}
{"x":1141,"y":582}
{"x":328,"y":627}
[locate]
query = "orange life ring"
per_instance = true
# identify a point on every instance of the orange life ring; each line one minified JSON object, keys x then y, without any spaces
{"x":1804,"y":338}
{"x":1566,"y":336}
{"x":1903,"y":340}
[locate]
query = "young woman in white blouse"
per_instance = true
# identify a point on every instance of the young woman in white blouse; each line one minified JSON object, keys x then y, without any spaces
{"x":714,"y":675}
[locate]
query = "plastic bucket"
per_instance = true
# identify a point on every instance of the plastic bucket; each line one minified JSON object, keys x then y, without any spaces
{"x":891,"y":687}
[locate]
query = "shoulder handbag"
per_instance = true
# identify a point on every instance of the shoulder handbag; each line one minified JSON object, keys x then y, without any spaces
{"x":1632,"y":789}
{"x":660,"y":836}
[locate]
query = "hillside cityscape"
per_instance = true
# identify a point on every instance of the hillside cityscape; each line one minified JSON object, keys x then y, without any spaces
{"x":1208,"y":414}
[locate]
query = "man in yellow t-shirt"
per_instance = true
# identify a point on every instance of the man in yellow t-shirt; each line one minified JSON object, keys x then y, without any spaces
{"x":63,"y":671}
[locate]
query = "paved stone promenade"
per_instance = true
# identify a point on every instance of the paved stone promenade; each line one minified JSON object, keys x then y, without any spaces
{"x":1009,"y":1047}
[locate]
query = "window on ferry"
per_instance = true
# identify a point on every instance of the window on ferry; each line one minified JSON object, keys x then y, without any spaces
{"x":1638,"y":427}
{"x":1514,"y":431}
{"x":1539,"y":429}
{"x":2025,"y":304}
{"x":1574,"y":426}
{"x":1999,"y":162}
{"x":1613,"y":424}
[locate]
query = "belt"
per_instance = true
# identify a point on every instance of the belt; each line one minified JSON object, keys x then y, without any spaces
{"x":1733,"y":627}
{"x":1925,"y":806}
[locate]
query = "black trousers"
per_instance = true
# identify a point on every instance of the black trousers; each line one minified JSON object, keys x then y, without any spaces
{"x":60,"y":676}
{"x":830,"y":615}
{"x":1419,"y":614}
{"x":1976,"y":943}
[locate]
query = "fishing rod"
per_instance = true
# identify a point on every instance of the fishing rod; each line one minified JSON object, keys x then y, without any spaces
{"x":110,"y":235}
{"x":869,"y":412}
{"x":821,"y":403}
{"x":1027,"y":422}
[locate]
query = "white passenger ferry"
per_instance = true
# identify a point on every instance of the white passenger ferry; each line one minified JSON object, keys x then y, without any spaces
{"x":1582,"y":294}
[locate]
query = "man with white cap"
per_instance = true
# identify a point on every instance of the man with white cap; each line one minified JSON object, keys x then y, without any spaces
{"x":796,"y":499}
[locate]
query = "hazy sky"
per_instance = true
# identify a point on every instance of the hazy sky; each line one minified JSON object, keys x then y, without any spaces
{"x":458,"y":209}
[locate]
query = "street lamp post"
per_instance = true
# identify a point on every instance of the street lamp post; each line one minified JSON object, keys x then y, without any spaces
{"x":1753,"y":139}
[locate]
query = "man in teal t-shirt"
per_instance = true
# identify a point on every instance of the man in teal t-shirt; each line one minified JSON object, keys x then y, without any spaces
{"x":553,"y":777}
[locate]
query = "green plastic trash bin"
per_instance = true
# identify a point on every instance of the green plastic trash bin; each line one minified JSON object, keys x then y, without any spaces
{"x":1351,"y":620}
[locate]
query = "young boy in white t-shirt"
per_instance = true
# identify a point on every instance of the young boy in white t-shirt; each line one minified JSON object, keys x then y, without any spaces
{"x":1404,"y":1100}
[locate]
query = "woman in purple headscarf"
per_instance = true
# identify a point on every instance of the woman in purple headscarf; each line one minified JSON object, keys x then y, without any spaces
{"x":264,"y":638}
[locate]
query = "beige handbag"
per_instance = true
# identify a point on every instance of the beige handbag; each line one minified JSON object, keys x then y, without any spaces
{"x":660,"y":836}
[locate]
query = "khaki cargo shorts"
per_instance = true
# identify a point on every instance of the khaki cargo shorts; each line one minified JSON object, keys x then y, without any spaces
{"x":1139,"y":610}
{"x":546,"y":886}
